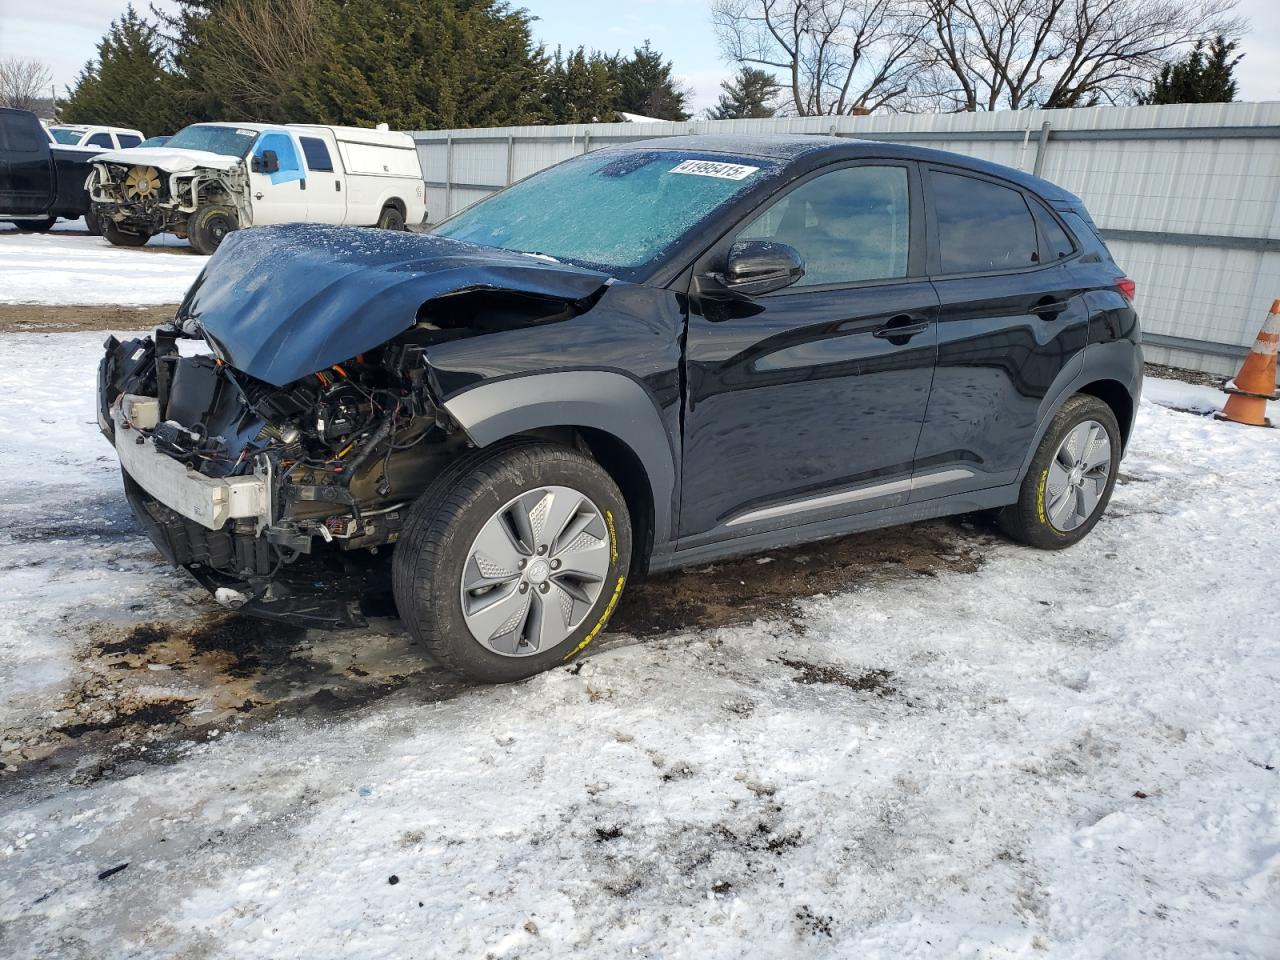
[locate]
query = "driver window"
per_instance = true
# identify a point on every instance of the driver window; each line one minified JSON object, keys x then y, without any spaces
{"x":849,"y":225}
{"x":287,"y":156}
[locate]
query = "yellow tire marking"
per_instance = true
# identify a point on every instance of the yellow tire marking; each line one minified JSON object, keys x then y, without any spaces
{"x":1044,"y":482}
{"x":617,"y":591}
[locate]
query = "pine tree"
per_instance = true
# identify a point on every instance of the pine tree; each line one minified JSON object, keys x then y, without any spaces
{"x":581,"y":88}
{"x":1205,"y":76}
{"x":129,"y":84}
{"x":748,"y":96}
{"x":646,"y":86}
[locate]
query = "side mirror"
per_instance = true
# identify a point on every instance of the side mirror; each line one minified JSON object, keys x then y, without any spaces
{"x":762,"y":266}
{"x":266,"y":162}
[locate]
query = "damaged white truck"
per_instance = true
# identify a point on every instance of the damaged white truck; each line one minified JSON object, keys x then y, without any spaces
{"x":213,"y":178}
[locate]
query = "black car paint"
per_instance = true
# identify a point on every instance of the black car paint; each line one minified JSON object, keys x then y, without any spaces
{"x":724,"y":402}
{"x":48,"y":181}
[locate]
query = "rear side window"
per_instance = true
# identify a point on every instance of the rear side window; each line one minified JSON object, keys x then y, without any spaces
{"x":849,"y":225}
{"x":99,"y":140}
{"x":317,"y":154}
{"x":17,"y":134}
{"x":128,"y":139}
{"x":1055,"y":243}
{"x":982,"y":226}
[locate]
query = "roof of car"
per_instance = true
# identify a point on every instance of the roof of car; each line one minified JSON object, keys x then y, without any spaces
{"x":791,"y":147}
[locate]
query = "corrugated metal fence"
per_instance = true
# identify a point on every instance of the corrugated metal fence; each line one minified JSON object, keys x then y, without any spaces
{"x":1187,"y":196}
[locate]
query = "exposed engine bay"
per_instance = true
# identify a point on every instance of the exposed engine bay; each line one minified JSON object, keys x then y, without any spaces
{"x":144,"y":198}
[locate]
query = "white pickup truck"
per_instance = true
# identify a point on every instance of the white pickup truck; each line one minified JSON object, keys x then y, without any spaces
{"x":212,"y":178}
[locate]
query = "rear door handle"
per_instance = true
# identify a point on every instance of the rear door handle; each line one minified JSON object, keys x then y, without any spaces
{"x":1049,"y":308}
{"x":900,"y":329}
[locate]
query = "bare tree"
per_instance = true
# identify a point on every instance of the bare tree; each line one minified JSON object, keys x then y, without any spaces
{"x":837,"y":56}
{"x":1011,"y":54}
{"x":24,"y":83}
{"x":257,"y":48}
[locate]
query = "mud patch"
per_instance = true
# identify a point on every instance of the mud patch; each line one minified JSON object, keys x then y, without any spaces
{"x":149,"y":714}
{"x":250,"y":646}
{"x":46,"y":318}
{"x":877,"y":681}
{"x":765,"y":586}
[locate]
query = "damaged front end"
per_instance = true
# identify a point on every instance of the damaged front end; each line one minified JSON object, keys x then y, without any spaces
{"x":278,"y":488}
{"x":144,"y":196}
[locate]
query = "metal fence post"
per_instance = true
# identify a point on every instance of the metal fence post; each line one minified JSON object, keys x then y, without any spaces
{"x":586,"y":142}
{"x":1042,"y":147}
{"x":448,"y":176}
{"x":511,"y":159}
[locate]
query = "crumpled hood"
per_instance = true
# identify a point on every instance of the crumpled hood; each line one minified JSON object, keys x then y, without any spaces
{"x":282,"y":302}
{"x":170,"y":161}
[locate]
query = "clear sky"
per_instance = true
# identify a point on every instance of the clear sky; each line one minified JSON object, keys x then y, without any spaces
{"x":63,"y":34}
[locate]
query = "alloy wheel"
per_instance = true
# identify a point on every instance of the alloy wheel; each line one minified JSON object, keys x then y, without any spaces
{"x":1078,"y":475}
{"x":535,"y":571}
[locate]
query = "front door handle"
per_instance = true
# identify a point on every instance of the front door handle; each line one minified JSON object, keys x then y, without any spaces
{"x":900,"y":329}
{"x":1049,"y":308}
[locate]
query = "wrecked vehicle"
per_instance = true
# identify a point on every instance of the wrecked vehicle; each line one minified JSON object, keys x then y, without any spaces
{"x":646,"y":357}
{"x":209,"y":179}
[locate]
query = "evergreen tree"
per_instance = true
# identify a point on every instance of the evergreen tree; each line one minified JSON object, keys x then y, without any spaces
{"x":581,"y":88}
{"x":1205,"y":76}
{"x":646,"y":87}
{"x":748,"y":96}
{"x":423,"y":64}
{"x":129,"y":84}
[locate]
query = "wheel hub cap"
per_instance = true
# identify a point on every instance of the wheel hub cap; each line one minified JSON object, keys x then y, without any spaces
{"x":535,"y":571}
{"x":1078,"y":475}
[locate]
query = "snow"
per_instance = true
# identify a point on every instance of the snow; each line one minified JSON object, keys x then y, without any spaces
{"x":1067,"y":754}
{"x":69,"y":267}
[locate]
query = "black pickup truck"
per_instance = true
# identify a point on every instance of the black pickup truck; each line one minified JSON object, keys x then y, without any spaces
{"x":39,"y":181}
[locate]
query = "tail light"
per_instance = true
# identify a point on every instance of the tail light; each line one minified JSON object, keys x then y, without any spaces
{"x":1128,"y":289}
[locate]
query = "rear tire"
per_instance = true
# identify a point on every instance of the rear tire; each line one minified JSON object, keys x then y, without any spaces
{"x":122,"y":238}
{"x":35,"y":226}
{"x":436,"y":567}
{"x":391,"y":218}
{"x":93,"y":224}
{"x":209,"y":226}
{"x":1069,"y":482}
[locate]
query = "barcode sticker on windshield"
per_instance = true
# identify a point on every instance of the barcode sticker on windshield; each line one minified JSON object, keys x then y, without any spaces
{"x":712,"y":168}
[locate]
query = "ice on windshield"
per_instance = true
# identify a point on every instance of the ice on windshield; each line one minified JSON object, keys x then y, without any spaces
{"x":228,"y":141}
{"x":614,"y":209}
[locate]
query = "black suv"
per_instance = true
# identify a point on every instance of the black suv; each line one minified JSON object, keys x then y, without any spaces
{"x":645,"y":357}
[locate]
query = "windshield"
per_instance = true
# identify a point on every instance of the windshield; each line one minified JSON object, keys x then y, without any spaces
{"x":616,"y":209}
{"x":228,"y":141}
{"x":63,"y":135}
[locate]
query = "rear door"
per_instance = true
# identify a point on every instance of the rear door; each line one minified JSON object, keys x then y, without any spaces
{"x":806,"y":403}
{"x":326,"y":200}
{"x":26,"y":171}
{"x":1010,"y":321}
{"x":279,"y":196}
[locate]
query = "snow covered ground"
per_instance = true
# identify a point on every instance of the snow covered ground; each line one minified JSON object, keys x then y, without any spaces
{"x":68,"y":265}
{"x":1056,"y":754}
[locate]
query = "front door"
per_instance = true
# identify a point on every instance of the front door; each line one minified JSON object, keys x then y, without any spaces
{"x":279,"y":196}
{"x":805,"y":404}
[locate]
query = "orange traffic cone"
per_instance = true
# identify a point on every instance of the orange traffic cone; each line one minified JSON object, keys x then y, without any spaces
{"x":1255,"y":384}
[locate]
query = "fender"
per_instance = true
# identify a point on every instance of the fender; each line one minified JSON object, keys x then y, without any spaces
{"x":1113,"y":360}
{"x":601,"y":399}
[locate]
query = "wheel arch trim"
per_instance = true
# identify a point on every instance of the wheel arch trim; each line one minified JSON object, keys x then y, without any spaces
{"x":602,"y":400}
{"x":1117,"y":363}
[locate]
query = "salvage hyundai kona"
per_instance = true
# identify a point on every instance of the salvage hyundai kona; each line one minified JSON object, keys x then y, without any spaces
{"x":645,"y":357}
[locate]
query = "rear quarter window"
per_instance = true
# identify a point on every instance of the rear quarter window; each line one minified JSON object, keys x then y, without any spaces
{"x":982,"y":226}
{"x":1055,"y":243}
{"x":128,"y":140}
{"x":317,"y":154}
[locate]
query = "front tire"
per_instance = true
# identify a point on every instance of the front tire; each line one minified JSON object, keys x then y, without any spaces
{"x":513,"y":562}
{"x":35,"y":226}
{"x":209,"y":226}
{"x":121,"y":238}
{"x":1070,"y":480}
